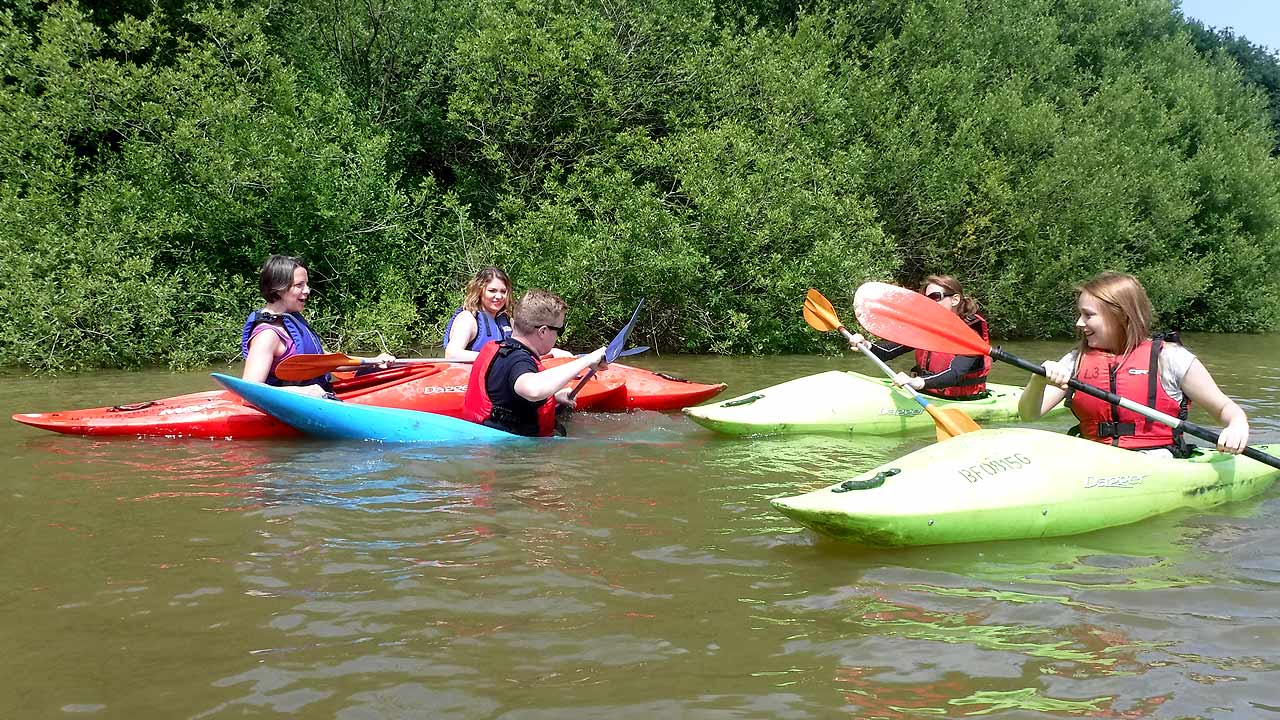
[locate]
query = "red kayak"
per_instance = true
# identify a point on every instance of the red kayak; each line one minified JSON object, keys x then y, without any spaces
{"x":649,"y":390}
{"x":436,"y":388}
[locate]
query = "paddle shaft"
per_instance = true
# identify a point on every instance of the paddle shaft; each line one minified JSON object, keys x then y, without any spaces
{"x":885,"y":367}
{"x":1190,"y":428}
{"x":582,"y":383}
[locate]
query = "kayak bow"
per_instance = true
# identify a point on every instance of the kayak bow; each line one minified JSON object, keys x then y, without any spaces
{"x":1016,"y":483}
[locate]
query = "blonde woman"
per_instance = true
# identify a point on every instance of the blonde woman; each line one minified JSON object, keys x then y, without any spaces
{"x":1117,"y":353}
{"x":483,"y":316}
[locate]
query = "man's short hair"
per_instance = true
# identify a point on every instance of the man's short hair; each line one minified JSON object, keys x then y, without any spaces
{"x":538,"y":307}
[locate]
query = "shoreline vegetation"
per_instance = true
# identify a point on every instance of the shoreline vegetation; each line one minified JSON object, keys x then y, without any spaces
{"x":717,"y":159}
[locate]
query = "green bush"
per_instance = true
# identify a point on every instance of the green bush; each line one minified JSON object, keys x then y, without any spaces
{"x":716,"y":159}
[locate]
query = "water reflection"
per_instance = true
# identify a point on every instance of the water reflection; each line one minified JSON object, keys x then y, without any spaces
{"x":635,"y":570}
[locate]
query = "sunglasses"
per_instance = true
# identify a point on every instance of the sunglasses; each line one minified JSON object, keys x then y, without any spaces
{"x":937,"y":296}
{"x":558,"y":328}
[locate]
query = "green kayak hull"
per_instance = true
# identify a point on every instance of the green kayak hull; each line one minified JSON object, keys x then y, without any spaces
{"x":1016,"y":483}
{"x":844,"y":402}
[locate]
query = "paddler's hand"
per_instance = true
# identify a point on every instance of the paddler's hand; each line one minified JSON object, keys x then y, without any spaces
{"x":382,"y":360}
{"x":563,"y":399}
{"x":597,"y":360}
{"x":1056,"y":373}
{"x":904,"y":380}
{"x":1234,"y":437}
{"x":857,"y":342}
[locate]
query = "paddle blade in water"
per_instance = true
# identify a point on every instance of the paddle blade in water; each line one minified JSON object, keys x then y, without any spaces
{"x":909,"y":318}
{"x":819,"y":312}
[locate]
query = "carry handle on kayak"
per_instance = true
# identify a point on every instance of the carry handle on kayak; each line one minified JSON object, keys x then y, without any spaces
{"x":821,"y":316}
{"x":912,"y":319}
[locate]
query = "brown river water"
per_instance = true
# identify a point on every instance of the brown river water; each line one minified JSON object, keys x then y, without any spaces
{"x":637,"y":571}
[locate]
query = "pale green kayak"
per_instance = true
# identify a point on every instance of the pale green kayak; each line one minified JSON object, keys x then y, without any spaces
{"x":844,"y":402}
{"x":1015,"y":483}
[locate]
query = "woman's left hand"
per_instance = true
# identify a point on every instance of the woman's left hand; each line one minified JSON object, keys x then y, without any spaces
{"x":1234,"y":437}
{"x":381,"y":361}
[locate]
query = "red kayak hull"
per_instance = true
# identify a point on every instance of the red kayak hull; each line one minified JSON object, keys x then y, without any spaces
{"x":437,"y":388}
{"x":649,"y":390}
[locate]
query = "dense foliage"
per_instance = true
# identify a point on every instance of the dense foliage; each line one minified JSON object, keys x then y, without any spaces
{"x":1259,"y":66}
{"x":716,"y":158}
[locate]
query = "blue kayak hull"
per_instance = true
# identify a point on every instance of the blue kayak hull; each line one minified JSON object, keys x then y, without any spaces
{"x":336,"y":420}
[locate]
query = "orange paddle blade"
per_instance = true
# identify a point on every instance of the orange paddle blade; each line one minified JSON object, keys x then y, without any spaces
{"x":820,"y":313}
{"x":816,"y":321}
{"x":951,"y":422}
{"x":296,"y":368}
{"x":909,"y":318}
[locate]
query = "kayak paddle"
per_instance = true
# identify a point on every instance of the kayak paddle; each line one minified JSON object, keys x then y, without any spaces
{"x":297,"y":368}
{"x":912,"y":319}
{"x":614,"y":349}
{"x":821,"y":316}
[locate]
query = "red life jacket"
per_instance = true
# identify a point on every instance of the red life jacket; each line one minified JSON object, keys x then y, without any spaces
{"x":1137,"y":378}
{"x":971,"y":384}
{"x":479,"y":408}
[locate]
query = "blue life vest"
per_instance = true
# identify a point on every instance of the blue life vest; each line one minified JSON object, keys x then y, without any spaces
{"x":305,"y":341}
{"x":487,"y":328}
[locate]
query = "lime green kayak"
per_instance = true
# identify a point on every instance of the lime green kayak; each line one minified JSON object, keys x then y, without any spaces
{"x":844,"y":402}
{"x":1015,"y":483}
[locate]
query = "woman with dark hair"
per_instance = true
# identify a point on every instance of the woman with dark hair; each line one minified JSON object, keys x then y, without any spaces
{"x":1118,"y":353}
{"x":278,"y":330}
{"x":956,"y":377}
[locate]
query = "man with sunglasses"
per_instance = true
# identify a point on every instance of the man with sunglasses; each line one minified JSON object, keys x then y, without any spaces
{"x":509,"y":389}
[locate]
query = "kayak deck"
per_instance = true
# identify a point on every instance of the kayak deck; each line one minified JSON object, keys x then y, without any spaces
{"x":1017,"y":483}
{"x":844,"y":402}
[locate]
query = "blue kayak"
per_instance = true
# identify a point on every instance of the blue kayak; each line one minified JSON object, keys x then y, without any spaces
{"x":337,"y":420}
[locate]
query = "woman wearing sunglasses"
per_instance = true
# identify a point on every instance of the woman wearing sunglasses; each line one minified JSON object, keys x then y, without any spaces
{"x":957,"y":377}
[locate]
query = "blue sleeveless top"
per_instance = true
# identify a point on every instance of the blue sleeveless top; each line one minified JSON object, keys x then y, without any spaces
{"x":487,"y":328}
